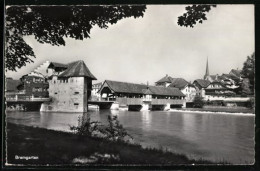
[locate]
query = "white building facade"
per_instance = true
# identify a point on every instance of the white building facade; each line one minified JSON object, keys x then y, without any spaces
{"x":70,"y":89}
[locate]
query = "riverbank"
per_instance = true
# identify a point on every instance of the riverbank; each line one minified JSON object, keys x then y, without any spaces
{"x":31,"y":145}
{"x":218,"y":110}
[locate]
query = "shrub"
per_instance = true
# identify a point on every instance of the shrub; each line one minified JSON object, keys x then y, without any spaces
{"x":198,"y":102}
{"x":252,"y":103}
{"x":86,"y":127}
{"x":114,"y":131}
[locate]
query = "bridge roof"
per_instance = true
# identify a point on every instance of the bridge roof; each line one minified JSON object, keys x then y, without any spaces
{"x":156,"y":90}
{"x":124,"y":87}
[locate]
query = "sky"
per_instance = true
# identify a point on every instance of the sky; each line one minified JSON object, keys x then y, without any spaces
{"x":145,"y":49}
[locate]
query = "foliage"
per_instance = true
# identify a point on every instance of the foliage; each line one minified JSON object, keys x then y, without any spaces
{"x":51,"y":24}
{"x":252,"y":103}
{"x":198,"y":101}
{"x":114,"y":131}
{"x":86,"y":127}
{"x":245,"y":87}
{"x":248,"y":71}
{"x":194,"y":14}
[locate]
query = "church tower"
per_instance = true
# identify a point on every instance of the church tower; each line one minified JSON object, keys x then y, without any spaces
{"x":207,"y":70}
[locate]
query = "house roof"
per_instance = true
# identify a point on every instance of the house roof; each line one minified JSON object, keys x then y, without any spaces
{"x":231,"y":76}
{"x":97,"y":84}
{"x":57,"y":65}
{"x":235,"y":72}
{"x":213,"y":77}
{"x":11,"y":85}
{"x":217,"y":82}
{"x":124,"y":87}
{"x":166,"y":79}
{"x":77,"y":69}
{"x":202,"y":83}
{"x":224,"y":76}
{"x":179,"y":83}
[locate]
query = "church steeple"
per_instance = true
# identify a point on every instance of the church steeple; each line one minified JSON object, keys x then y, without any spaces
{"x":207,"y":70}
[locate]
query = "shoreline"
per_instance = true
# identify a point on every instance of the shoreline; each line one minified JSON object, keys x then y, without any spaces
{"x":198,"y":110}
{"x":57,"y":147}
{"x":208,"y":111}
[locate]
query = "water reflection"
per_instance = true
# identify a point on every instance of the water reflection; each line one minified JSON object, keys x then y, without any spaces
{"x":146,"y":120}
{"x":216,"y":137}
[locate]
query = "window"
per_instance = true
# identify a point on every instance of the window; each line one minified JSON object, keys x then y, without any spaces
{"x":76,"y":92}
{"x":55,"y":93}
{"x":76,"y":105}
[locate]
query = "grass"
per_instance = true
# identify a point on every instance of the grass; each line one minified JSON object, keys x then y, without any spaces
{"x":228,"y":110}
{"x":55,"y":148}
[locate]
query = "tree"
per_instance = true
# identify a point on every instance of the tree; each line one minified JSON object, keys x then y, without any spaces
{"x":115,"y":131}
{"x":248,"y":72}
{"x":198,"y":101}
{"x":51,"y":24}
{"x":194,"y":14}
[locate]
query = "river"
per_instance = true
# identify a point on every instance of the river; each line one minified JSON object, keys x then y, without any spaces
{"x":210,"y":136}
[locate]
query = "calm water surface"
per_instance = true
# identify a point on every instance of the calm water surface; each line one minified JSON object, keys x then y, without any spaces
{"x":210,"y":136}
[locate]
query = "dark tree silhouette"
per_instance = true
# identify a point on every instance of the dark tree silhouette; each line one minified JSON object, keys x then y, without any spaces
{"x":248,"y":72}
{"x":198,"y":101}
{"x":194,"y":14}
{"x":51,"y":24}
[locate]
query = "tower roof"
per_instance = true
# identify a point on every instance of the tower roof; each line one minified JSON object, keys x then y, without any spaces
{"x":77,"y":69}
{"x":207,"y":69}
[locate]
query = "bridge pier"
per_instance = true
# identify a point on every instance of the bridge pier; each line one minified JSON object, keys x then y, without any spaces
{"x":27,"y":106}
{"x":115,"y":106}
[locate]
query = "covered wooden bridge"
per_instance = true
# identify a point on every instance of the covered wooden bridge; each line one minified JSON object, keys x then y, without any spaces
{"x":138,"y":96}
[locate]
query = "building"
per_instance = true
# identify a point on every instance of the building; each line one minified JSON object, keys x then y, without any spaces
{"x":11,"y":86}
{"x":200,"y":86}
{"x":138,"y":96}
{"x":94,"y":93}
{"x":217,"y":91}
{"x":231,"y":80}
{"x":69,"y":87}
{"x":184,"y":86}
{"x":236,"y":73}
{"x":34,"y":85}
{"x":165,"y":81}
